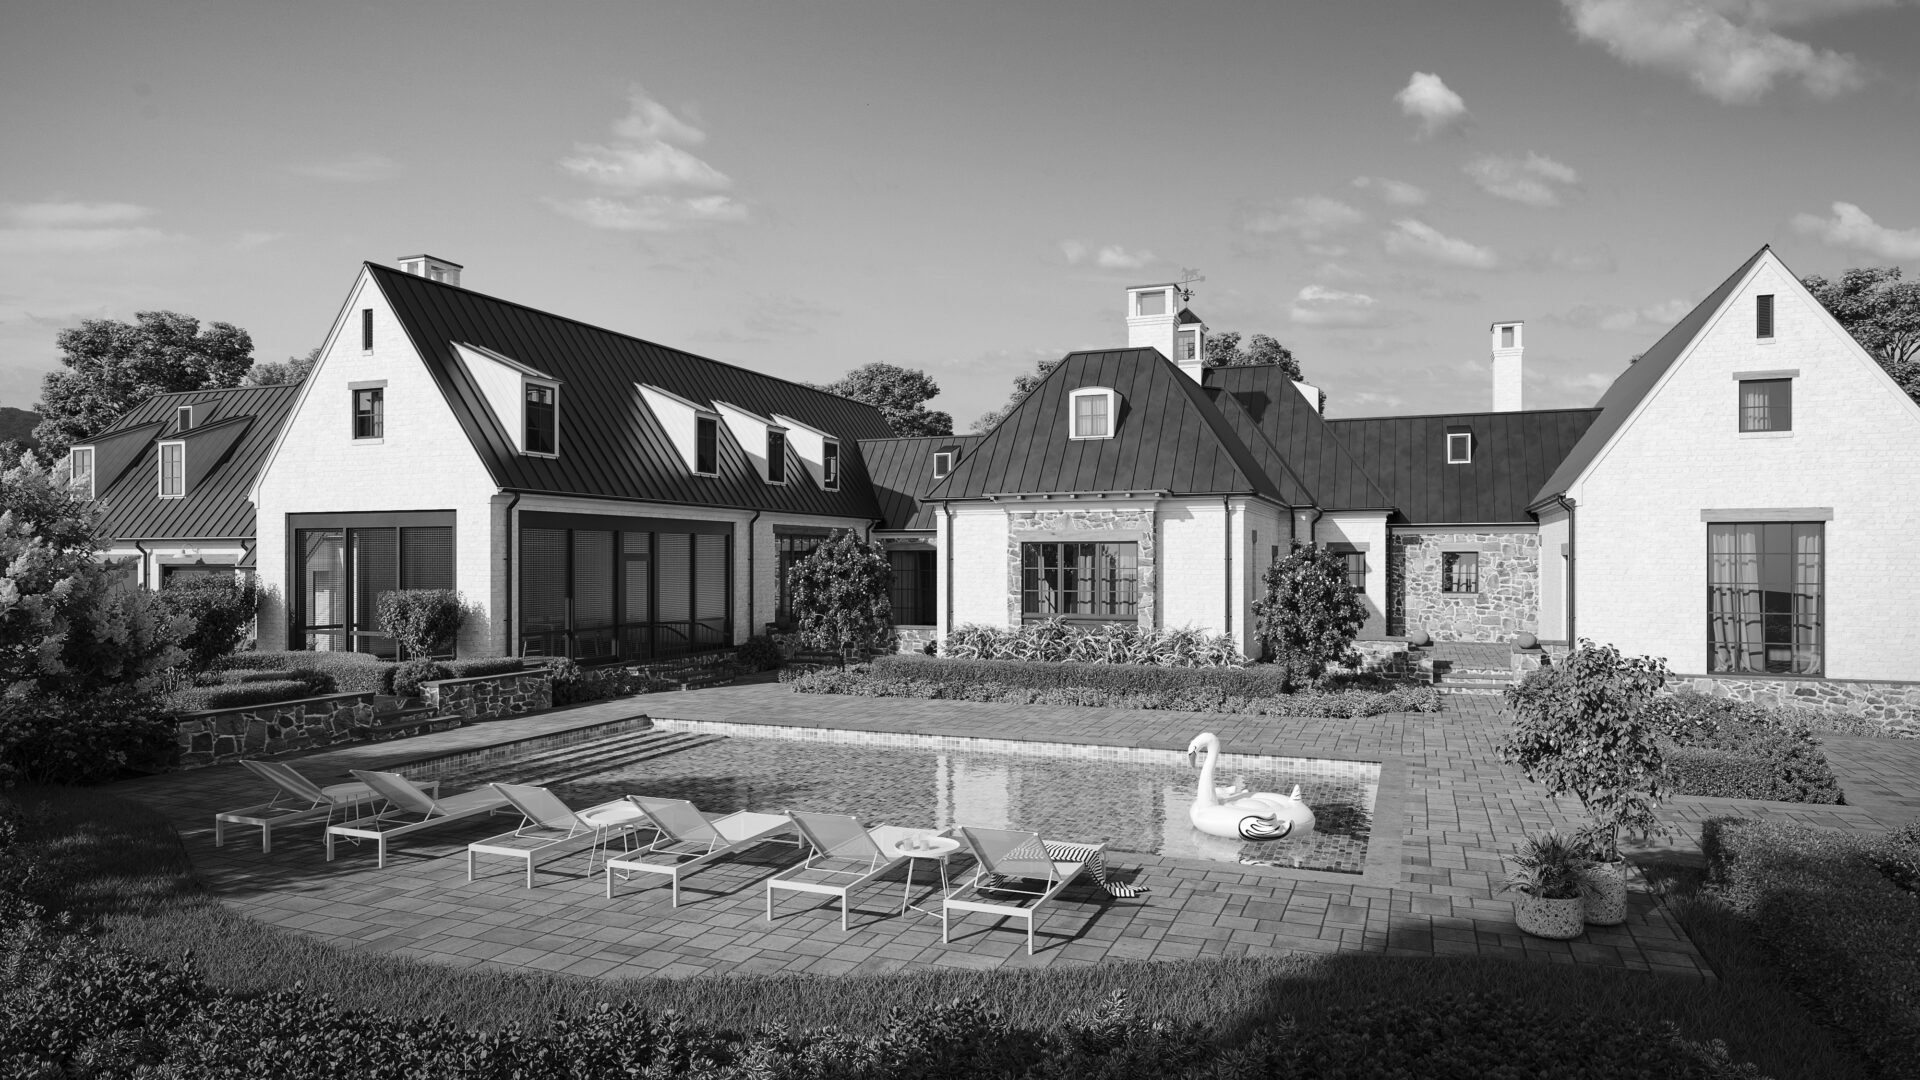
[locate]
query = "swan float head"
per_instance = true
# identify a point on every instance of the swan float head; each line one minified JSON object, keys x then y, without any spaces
{"x":1233,"y":813}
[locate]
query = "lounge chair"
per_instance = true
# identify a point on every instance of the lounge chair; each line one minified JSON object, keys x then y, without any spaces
{"x":1013,"y":867}
{"x":691,"y":838}
{"x":299,"y":800}
{"x":550,"y":828}
{"x":404,"y":798}
{"x":843,"y":855}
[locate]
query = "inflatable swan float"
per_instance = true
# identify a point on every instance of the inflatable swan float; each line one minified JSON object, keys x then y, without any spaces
{"x":1232,"y":812}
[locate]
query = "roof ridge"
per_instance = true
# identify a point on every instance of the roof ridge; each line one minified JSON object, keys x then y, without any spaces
{"x":1478,"y":412}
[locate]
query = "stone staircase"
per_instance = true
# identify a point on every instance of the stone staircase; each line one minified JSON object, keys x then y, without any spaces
{"x":1459,"y":667}
{"x":572,"y":761}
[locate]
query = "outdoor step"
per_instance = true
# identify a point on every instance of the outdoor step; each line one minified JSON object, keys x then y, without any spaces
{"x":406,"y":725}
{"x":1469,"y":691}
{"x":581,"y":759}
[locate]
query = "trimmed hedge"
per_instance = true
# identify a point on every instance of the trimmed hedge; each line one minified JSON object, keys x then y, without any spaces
{"x":1845,"y":935}
{"x":203,"y":698}
{"x":1737,"y":750}
{"x":352,"y":673}
{"x":1058,"y":641}
{"x":474,"y":667}
{"x":1115,"y":686}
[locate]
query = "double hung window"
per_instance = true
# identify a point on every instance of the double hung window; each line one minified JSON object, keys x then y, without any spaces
{"x":1459,"y":571}
{"x":542,"y":420}
{"x":370,"y":413}
{"x":173,"y":470}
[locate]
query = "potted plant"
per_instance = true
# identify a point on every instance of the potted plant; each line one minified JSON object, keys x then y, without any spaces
{"x":1585,"y":727}
{"x":1549,"y":873}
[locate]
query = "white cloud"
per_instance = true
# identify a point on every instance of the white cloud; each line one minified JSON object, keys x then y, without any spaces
{"x":1396,"y":192}
{"x":82,"y":227}
{"x":1850,"y":227}
{"x":643,"y":168}
{"x":1317,"y":305}
{"x":655,"y":184}
{"x":247,"y":241}
{"x":360,"y":168}
{"x":1115,"y":257}
{"x":649,"y":121}
{"x":651,"y":213}
{"x":1073,"y":251}
{"x":1658,"y":316}
{"x":1428,"y":99}
{"x":1726,"y":48}
{"x":65,"y":215}
{"x":1416,"y":239}
{"x":1309,"y":218}
{"x":1592,"y":260}
{"x":1531,"y":180}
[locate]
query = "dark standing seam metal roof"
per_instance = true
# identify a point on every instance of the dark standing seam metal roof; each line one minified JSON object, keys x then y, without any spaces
{"x":1511,"y":452}
{"x":1634,"y":384}
{"x":1295,"y":428}
{"x":611,"y":446}
{"x":224,"y":452}
{"x":901,"y":471}
{"x":1169,"y":437}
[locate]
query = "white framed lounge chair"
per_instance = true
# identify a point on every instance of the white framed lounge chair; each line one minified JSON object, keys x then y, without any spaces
{"x":410,"y":809}
{"x":1014,"y":879}
{"x":691,"y":838}
{"x":843,"y":855}
{"x":549,"y":828}
{"x":297,"y":801}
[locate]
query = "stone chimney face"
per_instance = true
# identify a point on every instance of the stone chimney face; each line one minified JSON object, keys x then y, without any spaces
{"x":1507,"y":348}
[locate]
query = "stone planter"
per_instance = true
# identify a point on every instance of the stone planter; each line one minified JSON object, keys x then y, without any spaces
{"x":1557,"y":920}
{"x":1605,"y":894}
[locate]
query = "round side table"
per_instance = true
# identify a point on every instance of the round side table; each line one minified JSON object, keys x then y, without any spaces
{"x":938,"y":849}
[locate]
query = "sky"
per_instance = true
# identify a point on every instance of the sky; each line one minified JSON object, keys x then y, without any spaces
{"x":963,"y":188}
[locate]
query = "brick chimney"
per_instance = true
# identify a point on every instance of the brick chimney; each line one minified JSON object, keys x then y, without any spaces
{"x":431,"y":267}
{"x":1506,"y":366}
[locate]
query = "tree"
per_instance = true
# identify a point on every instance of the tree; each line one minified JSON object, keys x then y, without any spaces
{"x":275,"y":372}
{"x":1309,"y":615}
{"x":842,"y":594}
{"x":1882,"y":313}
{"x":220,"y":610}
{"x":113,"y":366}
{"x":1022,"y":386}
{"x":899,"y":393}
{"x":1223,"y":350}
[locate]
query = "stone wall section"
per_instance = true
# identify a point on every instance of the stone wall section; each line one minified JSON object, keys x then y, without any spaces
{"x":1085,"y":526}
{"x":207,"y":738}
{"x":1508,"y":601}
{"x":489,"y":697}
{"x":1894,"y":707}
{"x":914,"y":639}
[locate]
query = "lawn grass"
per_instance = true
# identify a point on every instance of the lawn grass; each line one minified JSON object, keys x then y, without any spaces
{"x":123,"y":869}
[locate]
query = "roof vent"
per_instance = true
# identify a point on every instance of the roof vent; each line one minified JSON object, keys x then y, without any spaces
{"x":431,"y":267}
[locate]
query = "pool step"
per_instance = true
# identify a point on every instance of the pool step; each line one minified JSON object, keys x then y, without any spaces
{"x":565,"y":763}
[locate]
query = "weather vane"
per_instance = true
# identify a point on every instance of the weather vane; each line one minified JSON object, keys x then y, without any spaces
{"x":1188,"y":276}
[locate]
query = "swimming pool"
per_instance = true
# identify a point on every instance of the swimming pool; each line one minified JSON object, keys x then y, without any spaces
{"x":1133,"y":800}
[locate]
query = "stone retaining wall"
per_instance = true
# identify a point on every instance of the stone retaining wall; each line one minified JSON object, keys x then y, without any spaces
{"x":489,"y":697}
{"x":1507,"y":602}
{"x":206,"y":738}
{"x":1389,"y":658}
{"x":1893,"y":706}
{"x":914,"y":639}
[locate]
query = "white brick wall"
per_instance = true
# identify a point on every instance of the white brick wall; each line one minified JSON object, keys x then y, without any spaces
{"x":1192,"y":553}
{"x":979,"y":565}
{"x":1366,"y":530}
{"x":1553,"y":576}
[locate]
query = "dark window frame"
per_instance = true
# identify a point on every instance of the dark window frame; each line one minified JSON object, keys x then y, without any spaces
{"x":1356,"y":565}
{"x":830,"y":464}
{"x":1456,"y":580}
{"x":629,"y":636}
{"x":530,"y":410}
{"x":1791,"y":618}
{"x":353,"y":627}
{"x":915,"y":592}
{"x":370,"y":423}
{"x":776,"y":455}
{"x":1775,"y":414}
{"x":1047,"y":591}
{"x":1763,"y":316}
{"x":706,"y":445}
{"x":366,"y":330}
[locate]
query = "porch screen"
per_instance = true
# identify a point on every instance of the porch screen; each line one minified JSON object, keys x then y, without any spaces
{"x":1764,"y":611}
{"x":913,"y":588}
{"x":1079,"y":581}
{"x":610,"y":594}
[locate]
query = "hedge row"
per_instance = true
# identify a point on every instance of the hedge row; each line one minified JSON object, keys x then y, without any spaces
{"x":352,"y":673}
{"x":1843,"y":931}
{"x":263,"y":692}
{"x":1737,"y":750}
{"x":1115,"y":686}
{"x":1057,"y":641}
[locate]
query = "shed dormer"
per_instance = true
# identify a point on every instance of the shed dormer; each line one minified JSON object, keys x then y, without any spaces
{"x":694,"y":429}
{"x":525,"y":399}
{"x":764,"y":441}
{"x":819,"y":451}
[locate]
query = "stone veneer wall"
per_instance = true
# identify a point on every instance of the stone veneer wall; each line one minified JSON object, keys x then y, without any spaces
{"x":206,"y":738}
{"x":1892,"y":706}
{"x":490,"y":696}
{"x":914,"y":639}
{"x":1122,"y":526}
{"x":1389,"y":658}
{"x":1507,"y":603}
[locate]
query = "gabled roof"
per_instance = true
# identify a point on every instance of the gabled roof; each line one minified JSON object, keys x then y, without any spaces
{"x":1169,"y":437}
{"x":611,"y":444}
{"x":901,"y":471}
{"x":1294,"y":426}
{"x":225,"y":449}
{"x":1511,"y":453}
{"x":1635,"y":383}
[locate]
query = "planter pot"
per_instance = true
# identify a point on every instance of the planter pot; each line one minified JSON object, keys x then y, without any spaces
{"x":1558,"y":920}
{"x":1605,"y":894}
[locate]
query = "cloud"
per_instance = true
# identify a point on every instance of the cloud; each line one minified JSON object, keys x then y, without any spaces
{"x":1616,"y":319}
{"x":647,"y":180}
{"x":1530,"y":180}
{"x":1108,"y":257}
{"x":360,"y":168}
{"x":247,"y":241}
{"x":1850,"y":227}
{"x":1726,"y":48}
{"x":1416,"y":239}
{"x":1310,"y":218}
{"x":1592,"y":260}
{"x":65,"y":215}
{"x":1317,"y":305}
{"x":1396,"y":192}
{"x":53,"y":227}
{"x":1427,"y":99}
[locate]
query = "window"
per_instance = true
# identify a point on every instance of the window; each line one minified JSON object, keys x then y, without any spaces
{"x":366,"y":329}
{"x":173,"y":470}
{"x":776,"y":456}
{"x":1189,"y":345}
{"x":1079,"y":581}
{"x":915,"y":594}
{"x":1459,"y":447}
{"x":788,"y":550}
{"x":830,"y":464}
{"x":706,"y":445}
{"x":1763,"y":316}
{"x":1091,"y":415}
{"x":80,"y":468}
{"x":1766,"y":405}
{"x":1764,"y":589}
{"x":340,"y":574}
{"x":1506,"y":337}
{"x":542,"y":419}
{"x":1356,"y":565}
{"x":625,"y":590}
{"x":369,"y":413}
{"x":183,"y":418}
{"x":1150,"y":303}
{"x":1459,"y":571}
{"x":942,"y":463}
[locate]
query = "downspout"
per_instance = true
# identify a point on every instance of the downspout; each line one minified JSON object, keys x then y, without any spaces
{"x":1313,"y":531}
{"x":513,"y":534}
{"x":141,"y":547}
{"x":1226,"y":534}
{"x":948,"y":508}
{"x":752,"y":578}
{"x":1567,"y":504}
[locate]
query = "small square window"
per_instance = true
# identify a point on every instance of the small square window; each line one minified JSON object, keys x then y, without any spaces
{"x":173,"y":470}
{"x":1459,"y":571}
{"x":830,"y":464}
{"x":543,"y":420}
{"x":1091,"y":413}
{"x":1150,"y":303}
{"x":370,"y":413}
{"x":1459,"y":447}
{"x":776,"y":456}
{"x":706,"y":445}
{"x":1356,"y":565}
{"x":942,"y":463}
{"x":1766,"y":405}
{"x":1763,"y":315}
{"x":366,"y":329}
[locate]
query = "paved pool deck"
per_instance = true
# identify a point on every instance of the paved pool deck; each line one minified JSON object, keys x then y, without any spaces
{"x":1447,"y":811}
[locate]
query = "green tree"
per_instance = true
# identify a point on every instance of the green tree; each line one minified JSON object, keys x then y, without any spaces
{"x":1882,"y":313}
{"x":899,"y":393}
{"x":111,"y":366}
{"x":219,"y":609}
{"x":1022,"y":386}
{"x":1309,"y":615}
{"x":842,"y":594}
{"x":275,"y":372}
{"x":1223,"y":350}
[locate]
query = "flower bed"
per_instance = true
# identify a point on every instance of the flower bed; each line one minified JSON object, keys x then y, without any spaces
{"x":1253,"y":690}
{"x":1737,"y":750}
{"x":1055,"y":641}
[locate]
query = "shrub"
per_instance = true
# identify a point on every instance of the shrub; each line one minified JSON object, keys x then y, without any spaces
{"x":1309,"y":615}
{"x":220,"y":612}
{"x":352,"y":673}
{"x":841,"y":594}
{"x":758,"y":653}
{"x":474,"y":667}
{"x":423,"y":622}
{"x":1055,"y":641}
{"x":1899,"y":857}
{"x":573,"y":684}
{"x":239,"y":695}
{"x":411,"y":673}
{"x":1738,"y":750}
{"x":1845,"y":935}
{"x":55,"y":740}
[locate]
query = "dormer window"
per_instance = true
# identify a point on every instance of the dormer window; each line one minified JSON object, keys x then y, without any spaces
{"x":1150,"y":303}
{"x":942,"y":463}
{"x":1459,"y":447}
{"x":80,"y":469}
{"x":173,"y":470}
{"x":776,"y":456}
{"x":1091,"y":413}
{"x":542,"y":419}
{"x":706,"y":445}
{"x":183,"y":418}
{"x":830,"y":465}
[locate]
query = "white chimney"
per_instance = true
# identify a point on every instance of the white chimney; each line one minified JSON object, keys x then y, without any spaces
{"x":1506,"y":366}
{"x":1154,"y":323}
{"x":431,"y":267}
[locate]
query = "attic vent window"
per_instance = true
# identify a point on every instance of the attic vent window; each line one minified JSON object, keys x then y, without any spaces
{"x":542,"y":420}
{"x":80,"y":469}
{"x":706,"y":445}
{"x":1150,"y":303}
{"x":830,"y":465}
{"x":776,"y":456}
{"x":366,"y":330}
{"x":1459,"y":447}
{"x":942,"y":463}
{"x":1091,"y":414}
{"x":183,"y":418}
{"x":1763,"y":316}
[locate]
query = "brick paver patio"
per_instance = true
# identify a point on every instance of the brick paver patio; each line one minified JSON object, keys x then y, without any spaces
{"x":1447,"y":811}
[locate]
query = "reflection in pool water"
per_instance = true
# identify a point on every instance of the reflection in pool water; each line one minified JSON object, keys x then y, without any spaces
{"x":1133,"y":800}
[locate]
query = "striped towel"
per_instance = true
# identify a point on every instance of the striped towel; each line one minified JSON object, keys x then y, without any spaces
{"x":1095,"y":858}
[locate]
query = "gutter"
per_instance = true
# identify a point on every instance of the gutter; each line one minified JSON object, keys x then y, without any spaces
{"x":1567,"y":504}
{"x":513,"y":535}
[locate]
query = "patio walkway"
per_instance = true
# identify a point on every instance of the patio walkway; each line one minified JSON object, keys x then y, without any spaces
{"x":1447,"y":811}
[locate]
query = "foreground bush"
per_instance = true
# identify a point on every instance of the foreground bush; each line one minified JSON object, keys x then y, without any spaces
{"x":1255,"y":690}
{"x":1844,"y":932}
{"x":83,"y":740}
{"x":1737,"y":750}
{"x":1309,"y":615}
{"x":422,"y":622}
{"x":1055,"y":641}
{"x":351,"y":672}
{"x":219,"y":611}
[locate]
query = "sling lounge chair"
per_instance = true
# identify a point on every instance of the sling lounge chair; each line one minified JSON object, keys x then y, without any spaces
{"x":298,"y":801}
{"x":1015,"y":878}
{"x":843,"y":856}
{"x":549,"y":828}
{"x":690,"y":838}
{"x":410,"y":809}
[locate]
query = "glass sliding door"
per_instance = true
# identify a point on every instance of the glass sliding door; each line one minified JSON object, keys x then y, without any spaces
{"x":375,"y":558}
{"x":320,"y":567}
{"x":628,"y":593}
{"x":340,"y":573}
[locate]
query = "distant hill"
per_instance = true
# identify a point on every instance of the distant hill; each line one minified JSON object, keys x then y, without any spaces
{"x":18,"y":424}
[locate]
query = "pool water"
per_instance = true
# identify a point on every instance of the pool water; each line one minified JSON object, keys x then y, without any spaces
{"x":1133,"y":800}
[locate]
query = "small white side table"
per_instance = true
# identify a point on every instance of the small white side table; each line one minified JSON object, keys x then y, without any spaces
{"x":938,"y":849}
